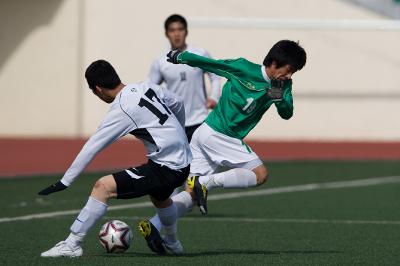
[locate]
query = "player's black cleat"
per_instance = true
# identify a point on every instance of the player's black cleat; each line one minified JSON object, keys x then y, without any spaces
{"x":200,"y":193}
{"x":152,"y":237}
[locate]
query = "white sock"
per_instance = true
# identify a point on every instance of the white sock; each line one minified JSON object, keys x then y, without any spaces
{"x":234,"y":178}
{"x":88,"y":216}
{"x":184,"y":204}
{"x":168,"y":218}
{"x":74,"y":240}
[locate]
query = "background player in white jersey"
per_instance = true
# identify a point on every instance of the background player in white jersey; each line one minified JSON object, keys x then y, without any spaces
{"x":183,"y":80}
{"x":156,"y":117}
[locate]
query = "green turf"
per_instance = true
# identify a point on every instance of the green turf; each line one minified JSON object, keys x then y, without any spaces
{"x":277,"y":233}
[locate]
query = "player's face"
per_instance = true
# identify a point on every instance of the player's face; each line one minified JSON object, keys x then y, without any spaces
{"x":176,"y":35}
{"x":282,"y":73}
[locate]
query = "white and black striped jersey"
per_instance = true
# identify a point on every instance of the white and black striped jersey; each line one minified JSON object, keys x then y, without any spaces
{"x":154,"y":115}
{"x":188,"y":83}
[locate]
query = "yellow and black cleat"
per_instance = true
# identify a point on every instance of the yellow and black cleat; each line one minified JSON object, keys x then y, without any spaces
{"x":200,"y":193}
{"x":152,"y":237}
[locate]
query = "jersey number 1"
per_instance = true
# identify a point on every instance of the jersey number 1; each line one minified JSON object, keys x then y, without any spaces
{"x":145,"y":103}
{"x":249,"y":102}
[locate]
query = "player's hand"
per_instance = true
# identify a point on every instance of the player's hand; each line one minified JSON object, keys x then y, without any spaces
{"x":211,"y":103}
{"x":53,"y":188}
{"x":276,"y":91}
{"x":172,"y":56}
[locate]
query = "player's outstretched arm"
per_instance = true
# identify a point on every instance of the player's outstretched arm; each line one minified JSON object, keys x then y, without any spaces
{"x":58,"y":186}
{"x":225,"y":68}
{"x":215,"y":81}
{"x":116,"y":125}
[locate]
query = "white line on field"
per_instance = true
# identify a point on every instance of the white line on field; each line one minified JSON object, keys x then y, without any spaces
{"x":232,"y":195}
{"x":267,"y":220}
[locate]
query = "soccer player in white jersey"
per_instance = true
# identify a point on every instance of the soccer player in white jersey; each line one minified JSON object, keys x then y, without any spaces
{"x":156,"y":117}
{"x":183,"y":80}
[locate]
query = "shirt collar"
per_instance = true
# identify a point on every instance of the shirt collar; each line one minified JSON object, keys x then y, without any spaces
{"x":267,"y":79}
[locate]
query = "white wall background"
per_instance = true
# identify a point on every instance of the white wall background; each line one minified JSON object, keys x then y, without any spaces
{"x":349,"y":89}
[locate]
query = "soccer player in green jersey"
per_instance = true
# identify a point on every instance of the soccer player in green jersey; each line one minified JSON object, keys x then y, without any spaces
{"x":251,"y":89}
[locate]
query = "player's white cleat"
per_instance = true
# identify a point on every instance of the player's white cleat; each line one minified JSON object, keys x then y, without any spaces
{"x":174,"y":248}
{"x":61,"y":249}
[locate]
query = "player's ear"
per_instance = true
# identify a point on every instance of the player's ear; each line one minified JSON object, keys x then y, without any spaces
{"x":98,"y":90}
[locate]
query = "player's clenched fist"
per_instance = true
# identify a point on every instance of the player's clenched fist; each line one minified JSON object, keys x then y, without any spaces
{"x":172,"y":56}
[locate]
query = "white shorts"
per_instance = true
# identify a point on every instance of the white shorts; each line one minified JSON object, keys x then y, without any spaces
{"x":211,"y":149}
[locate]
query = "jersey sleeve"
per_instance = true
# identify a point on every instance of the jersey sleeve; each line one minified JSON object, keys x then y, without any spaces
{"x":285,"y":107}
{"x":215,"y":81}
{"x":175,"y":104}
{"x":226,"y":68}
{"x":155,"y":75}
{"x":115,"y":125}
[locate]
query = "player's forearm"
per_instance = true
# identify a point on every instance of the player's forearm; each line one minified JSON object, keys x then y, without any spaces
{"x":285,"y":107}
{"x":103,"y":137}
{"x":84,"y":157}
{"x":207,"y":64}
{"x":285,"y":111}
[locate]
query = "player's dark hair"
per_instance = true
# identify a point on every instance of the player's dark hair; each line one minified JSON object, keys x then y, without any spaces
{"x":286,"y":52}
{"x":175,"y":18}
{"x":101,"y":73}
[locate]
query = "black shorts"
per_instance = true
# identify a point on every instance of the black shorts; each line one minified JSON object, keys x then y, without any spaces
{"x":190,"y":130}
{"x":149,"y":179}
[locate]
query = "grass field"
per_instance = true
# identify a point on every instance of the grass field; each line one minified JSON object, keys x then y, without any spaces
{"x":282,"y":222}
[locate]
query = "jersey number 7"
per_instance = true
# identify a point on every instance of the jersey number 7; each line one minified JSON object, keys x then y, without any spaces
{"x":145,"y":103}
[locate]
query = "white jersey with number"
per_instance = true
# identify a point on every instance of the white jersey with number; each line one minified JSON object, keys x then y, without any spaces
{"x":188,"y":83}
{"x":153,"y":115}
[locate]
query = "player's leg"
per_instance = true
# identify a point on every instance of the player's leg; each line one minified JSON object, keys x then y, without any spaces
{"x":247,"y":170}
{"x":189,"y":133}
{"x":167,"y":213}
{"x":104,"y":189}
{"x":200,"y":164}
{"x":94,"y":209}
{"x":250,"y":174}
{"x":164,"y":182}
{"x":183,"y":202}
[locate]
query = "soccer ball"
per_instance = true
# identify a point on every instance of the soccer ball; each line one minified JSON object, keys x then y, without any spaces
{"x":115,"y":236}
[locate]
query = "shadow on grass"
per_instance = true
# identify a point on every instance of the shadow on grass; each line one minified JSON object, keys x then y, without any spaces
{"x":224,"y":252}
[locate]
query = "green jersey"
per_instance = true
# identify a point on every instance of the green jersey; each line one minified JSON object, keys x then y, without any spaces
{"x":244,"y":98}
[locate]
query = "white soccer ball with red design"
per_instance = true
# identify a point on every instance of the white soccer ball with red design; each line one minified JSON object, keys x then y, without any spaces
{"x":115,"y":236}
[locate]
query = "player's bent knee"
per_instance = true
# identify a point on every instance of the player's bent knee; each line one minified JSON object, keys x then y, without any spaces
{"x":105,"y":188}
{"x":161,"y":203}
{"x":261,"y":174}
